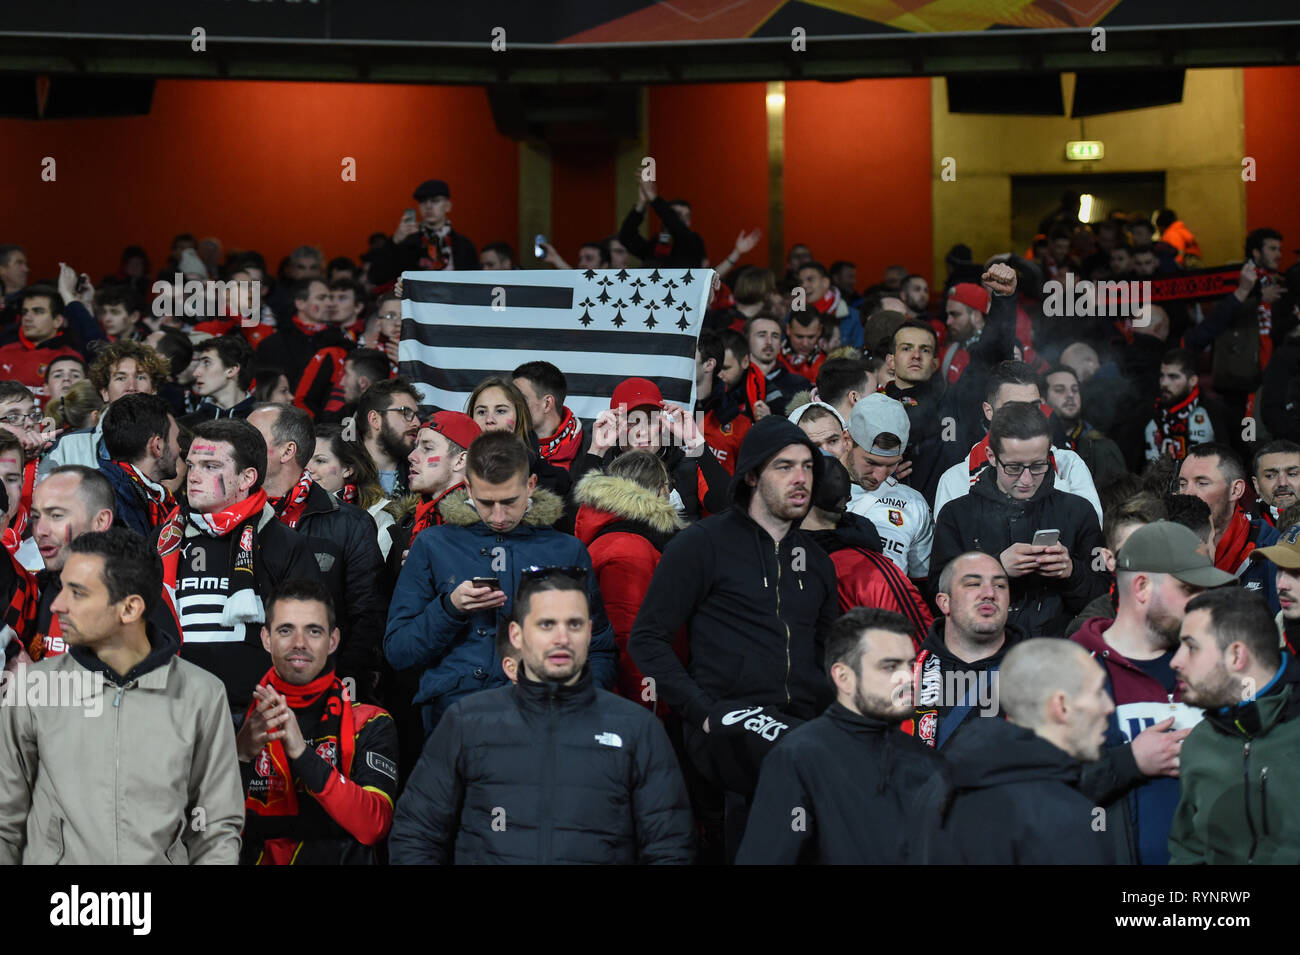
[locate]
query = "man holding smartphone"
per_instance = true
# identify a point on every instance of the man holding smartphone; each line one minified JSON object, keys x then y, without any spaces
{"x":431,"y":245}
{"x":445,"y":612}
{"x":1011,"y":503}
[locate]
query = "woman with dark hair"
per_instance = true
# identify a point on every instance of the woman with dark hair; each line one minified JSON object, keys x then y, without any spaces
{"x":271,"y":384}
{"x":343,"y":469}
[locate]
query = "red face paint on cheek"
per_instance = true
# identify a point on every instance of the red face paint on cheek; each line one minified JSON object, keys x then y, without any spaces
{"x":433,"y":461}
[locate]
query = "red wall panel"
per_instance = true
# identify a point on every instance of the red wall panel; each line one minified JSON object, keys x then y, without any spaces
{"x":857,"y":173}
{"x":709,"y":144}
{"x":1272,"y":100}
{"x":257,"y":165}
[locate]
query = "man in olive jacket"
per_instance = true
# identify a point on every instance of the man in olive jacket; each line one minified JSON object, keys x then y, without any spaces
{"x":1238,"y":766}
{"x":118,"y":751}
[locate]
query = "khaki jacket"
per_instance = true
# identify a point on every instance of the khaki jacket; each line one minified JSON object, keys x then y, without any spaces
{"x":96,"y":773}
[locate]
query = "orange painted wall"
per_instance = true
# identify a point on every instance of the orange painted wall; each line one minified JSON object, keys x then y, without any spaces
{"x":857,"y":173}
{"x":709,"y":144}
{"x":1272,"y":100}
{"x":257,"y":165}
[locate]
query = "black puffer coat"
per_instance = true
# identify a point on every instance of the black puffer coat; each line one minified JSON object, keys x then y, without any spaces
{"x":540,"y":773}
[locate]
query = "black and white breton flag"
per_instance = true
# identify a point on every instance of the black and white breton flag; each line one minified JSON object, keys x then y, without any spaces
{"x":596,"y":326}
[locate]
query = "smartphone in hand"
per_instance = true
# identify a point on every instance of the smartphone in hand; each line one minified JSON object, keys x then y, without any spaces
{"x":493,"y":582}
{"x":1047,"y":538}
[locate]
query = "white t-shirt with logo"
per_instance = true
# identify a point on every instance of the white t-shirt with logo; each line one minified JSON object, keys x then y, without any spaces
{"x":902,"y":519}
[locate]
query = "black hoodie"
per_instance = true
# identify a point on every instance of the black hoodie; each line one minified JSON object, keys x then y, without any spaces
{"x":942,"y":677}
{"x":756,"y":610}
{"x":1007,"y":797}
{"x":854,"y":777}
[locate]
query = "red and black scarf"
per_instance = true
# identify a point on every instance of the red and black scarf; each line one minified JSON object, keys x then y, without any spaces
{"x":793,"y":360}
{"x":324,"y":712}
{"x":21,"y":614}
{"x":17,"y":529}
{"x":1233,"y":551}
{"x":437,"y":248}
{"x":239,"y":522}
{"x":562,"y":447}
{"x":426,"y":515}
{"x":1171,"y":422}
{"x":160,"y":500}
{"x":289,"y":507}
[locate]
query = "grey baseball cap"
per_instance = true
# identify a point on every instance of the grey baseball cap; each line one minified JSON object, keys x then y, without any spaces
{"x":1164,"y":547}
{"x":875,"y":415}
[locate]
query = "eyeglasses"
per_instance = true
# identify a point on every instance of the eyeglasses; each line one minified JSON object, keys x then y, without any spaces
{"x":535,"y":573}
{"x":1015,"y":470}
{"x":408,"y":414}
{"x":391,"y":316}
{"x":16,"y":418}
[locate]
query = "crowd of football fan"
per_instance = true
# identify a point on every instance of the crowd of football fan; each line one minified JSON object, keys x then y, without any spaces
{"x":926,"y":575}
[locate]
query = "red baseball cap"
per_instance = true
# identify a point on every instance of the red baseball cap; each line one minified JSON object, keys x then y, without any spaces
{"x":456,"y":426}
{"x":636,"y":393}
{"x":968,"y":293}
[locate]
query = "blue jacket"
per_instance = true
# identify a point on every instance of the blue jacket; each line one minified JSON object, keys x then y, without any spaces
{"x":132,"y":507}
{"x":457,"y":654}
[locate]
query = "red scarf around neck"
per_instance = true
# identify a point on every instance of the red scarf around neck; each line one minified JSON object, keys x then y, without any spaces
{"x":217,"y":524}
{"x":348,"y":494}
{"x":827,"y":303}
{"x":289,"y":507}
{"x":562,"y":447}
{"x":324,"y":710}
{"x":426,"y":515}
{"x":308,"y":327}
{"x":1234,"y":547}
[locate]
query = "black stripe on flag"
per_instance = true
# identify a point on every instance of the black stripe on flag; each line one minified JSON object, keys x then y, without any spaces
{"x":572,"y":340}
{"x":481,"y":294}
{"x":465,"y":380}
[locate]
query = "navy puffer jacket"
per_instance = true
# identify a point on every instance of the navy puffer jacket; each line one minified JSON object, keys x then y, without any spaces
{"x":457,"y":654}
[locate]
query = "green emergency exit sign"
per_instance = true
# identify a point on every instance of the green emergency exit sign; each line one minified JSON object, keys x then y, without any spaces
{"x":1084,"y":150}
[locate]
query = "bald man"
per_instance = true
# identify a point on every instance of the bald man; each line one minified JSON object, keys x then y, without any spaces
{"x":1011,"y":796}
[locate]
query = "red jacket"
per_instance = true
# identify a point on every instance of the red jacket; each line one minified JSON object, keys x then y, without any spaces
{"x":867,"y":578}
{"x":22,"y":361}
{"x":625,"y":526}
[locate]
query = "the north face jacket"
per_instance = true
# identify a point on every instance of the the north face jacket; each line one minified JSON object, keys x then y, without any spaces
{"x":124,"y":770}
{"x":545,"y":774}
{"x":457,"y":654}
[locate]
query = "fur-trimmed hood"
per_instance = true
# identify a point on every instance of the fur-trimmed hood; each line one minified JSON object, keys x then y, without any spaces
{"x":621,"y":499}
{"x":545,"y":509}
